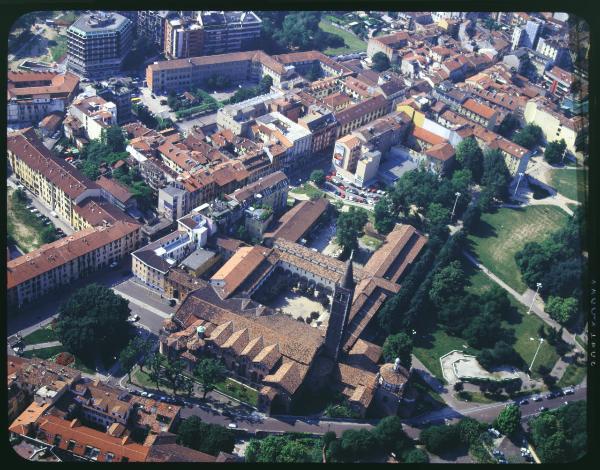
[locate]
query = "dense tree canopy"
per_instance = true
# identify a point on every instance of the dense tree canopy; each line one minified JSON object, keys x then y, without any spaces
{"x":385,"y":218}
{"x":439,"y":439}
{"x":93,"y":319}
{"x":398,"y":346}
{"x":496,"y":176}
{"x":114,"y":139}
{"x":501,"y":354}
{"x":288,"y":448}
{"x":447,"y":283}
{"x":204,"y":437}
{"x":317,"y":177}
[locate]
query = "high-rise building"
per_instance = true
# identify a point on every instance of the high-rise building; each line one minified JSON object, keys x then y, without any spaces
{"x":97,"y":43}
{"x":228,"y":31}
{"x":152,"y":23}
{"x":527,"y":36}
{"x":183,"y":38}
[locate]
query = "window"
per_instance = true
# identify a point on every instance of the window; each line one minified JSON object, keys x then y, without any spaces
{"x":57,"y":440}
{"x":125,"y":459}
{"x":71,"y":445}
{"x":109,"y":457}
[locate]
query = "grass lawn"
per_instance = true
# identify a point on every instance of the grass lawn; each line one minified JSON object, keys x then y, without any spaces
{"x":308,"y":189}
{"x":429,"y":350}
{"x":45,"y":353}
{"x":60,"y":48}
{"x":239,"y":391}
{"x":499,"y":236}
{"x":43,"y":335}
{"x":22,"y":226}
{"x":573,"y":375}
{"x":371,"y":242}
{"x":352,"y":43}
{"x":570,"y":183}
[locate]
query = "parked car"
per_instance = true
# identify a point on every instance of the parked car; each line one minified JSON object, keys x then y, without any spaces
{"x":523,"y":402}
{"x":494,"y":432}
{"x":113,"y":265}
{"x":537,"y":398}
{"x":569,"y":391}
{"x":172,"y":303}
{"x":232,"y":426}
{"x":144,"y":394}
{"x":542,"y":408}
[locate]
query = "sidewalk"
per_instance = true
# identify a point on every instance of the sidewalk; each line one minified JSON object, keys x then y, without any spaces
{"x":49,"y":344}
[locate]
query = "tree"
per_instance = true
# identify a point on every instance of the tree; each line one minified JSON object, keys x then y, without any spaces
{"x":470,"y":157}
{"x":501,"y":354}
{"x":529,"y":137}
{"x":446,"y":283}
{"x":114,"y":139}
{"x":416,"y":456}
{"x":314,"y":73}
{"x":127,"y":358}
{"x":328,"y":438}
{"x":509,"y":420}
{"x":496,"y":176}
{"x":205,"y":437}
{"x":381,"y":62}
{"x":562,"y":310}
{"x":318,"y":177}
{"x":48,"y":234}
{"x":265,"y":84}
{"x":349,"y":227}
{"x":385,"y":219}
{"x":439,"y":439}
{"x":398,"y":346}
{"x":484,"y":330}
{"x":156,"y":369}
{"x":469,"y":431}
{"x":507,"y":126}
{"x":390,"y":435}
{"x":173,"y":373}
{"x":357,"y":445}
{"x":209,"y":372}
{"x":143,"y":348}
{"x":471,"y":217}
{"x":93,"y":319}
{"x":555,"y":151}
{"x":437,"y":216}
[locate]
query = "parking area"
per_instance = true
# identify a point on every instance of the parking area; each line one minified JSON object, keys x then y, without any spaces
{"x":153,"y":103}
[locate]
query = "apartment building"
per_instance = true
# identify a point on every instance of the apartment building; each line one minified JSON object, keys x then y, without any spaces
{"x":296,"y":139}
{"x":270,"y":191}
{"x":183,"y":38}
{"x":559,"y":81}
{"x":388,"y":45}
{"x":117,"y":91}
{"x":152,"y":24}
{"x":361,"y":113}
{"x":56,"y":183}
{"x":556,"y":126}
{"x":88,"y":117}
{"x":238,"y":117}
{"x":97,"y":44}
{"x":151,"y":263}
{"x":228,"y":31}
{"x":322,"y":125}
{"x":59,"y":263}
{"x":479,"y":113}
{"x":33,"y":95}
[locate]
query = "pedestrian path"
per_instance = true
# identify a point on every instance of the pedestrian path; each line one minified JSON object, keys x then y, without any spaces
{"x":141,"y":304}
{"x":49,"y":344}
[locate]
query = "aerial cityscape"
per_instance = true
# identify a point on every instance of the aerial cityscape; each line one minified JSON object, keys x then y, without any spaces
{"x":297,"y":236}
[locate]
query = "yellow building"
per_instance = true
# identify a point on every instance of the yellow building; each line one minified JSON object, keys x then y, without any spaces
{"x":56,"y":183}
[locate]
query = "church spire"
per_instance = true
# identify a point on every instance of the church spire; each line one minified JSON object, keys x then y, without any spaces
{"x":348,"y":278}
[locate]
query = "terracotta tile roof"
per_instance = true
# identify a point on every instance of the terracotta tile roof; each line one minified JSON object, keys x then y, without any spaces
{"x":235,"y":271}
{"x":22,"y":424}
{"x":117,"y":190}
{"x":358,"y":110}
{"x":561,"y":75}
{"x":336,"y":99}
{"x":31,"y":85}
{"x":297,"y":341}
{"x":442,"y":152}
{"x":229,"y":245}
{"x":511,"y":148}
{"x":237,"y":341}
{"x":28,"y":148}
{"x":420,"y":133}
{"x":51,"y":426}
{"x":298,"y":220}
{"x":391,"y":376}
{"x":259,"y":186}
{"x":367,"y":349}
{"x":392,"y":39}
{"x":64,"y":250}
{"x":288,"y":376}
{"x":253,"y":347}
{"x":173,"y":452}
{"x":479,"y":108}
{"x":268,"y":356}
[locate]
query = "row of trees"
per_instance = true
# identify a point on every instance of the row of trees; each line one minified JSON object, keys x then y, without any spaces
{"x":557,"y":263}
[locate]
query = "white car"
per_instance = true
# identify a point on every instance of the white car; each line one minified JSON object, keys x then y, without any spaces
{"x":232,"y":426}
